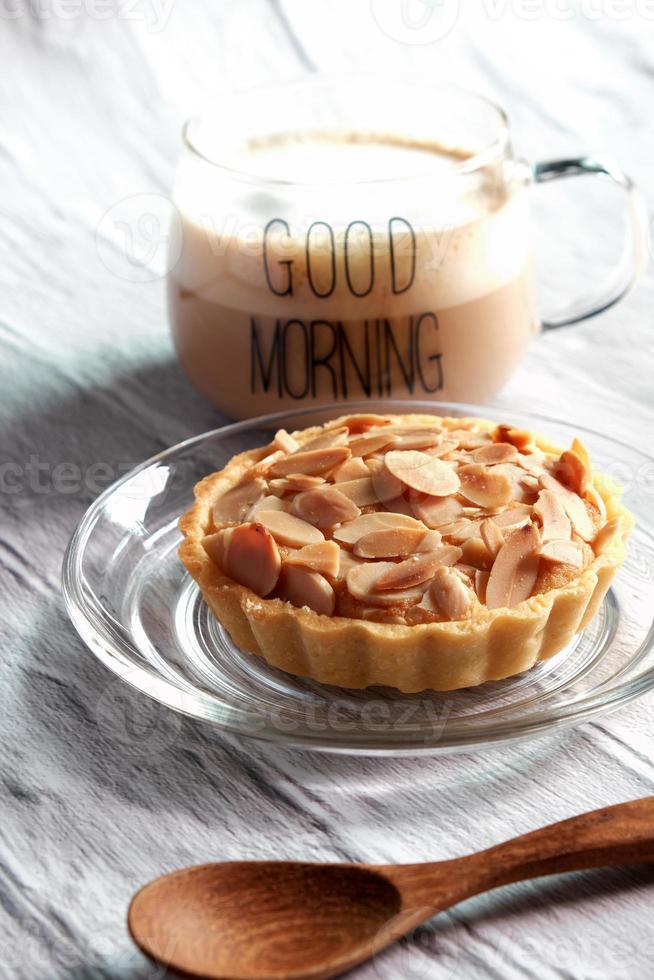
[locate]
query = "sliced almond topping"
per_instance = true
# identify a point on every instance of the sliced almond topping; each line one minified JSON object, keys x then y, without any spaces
{"x":563,"y":552}
{"x":360,"y":423}
{"x":285,"y":442}
{"x":312,"y":463}
{"x":595,"y":498}
{"x":580,"y":450}
{"x":437,"y":511}
{"x":347,"y":561}
{"x":516,"y":476}
{"x":324,"y":557}
{"x":513,"y":517}
{"x":461,"y":530}
{"x":553,"y":518}
{"x":486,"y":487}
{"x":294,"y":482}
{"x":400,"y":505}
{"x":533,"y":462}
{"x":430,"y":541}
{"x":572,"y":472}
{"x":233,"y":504}
{"x":324,"y":507}
{"x":362,"y":580}
{"x":530,"y":482}
{"x":380,"y":520}
{"x":469,"y":438}
{"x":406,"y":574}
{"x":290,"y":530}
{"x":264,"y":464}
{"x":448,"y":447}
{"x":491,"y":535}
{"x":610,"y":534}
{"x":386,"y":486}
{"x":396,"y":542}
{"x":449,"y":592}
{"x":328,"y":439}
{"x":520,"y":438}
{"x":252,"y":558}
{"x":360,"y":492}
{"x":421,"y":472}
{"x":267,"y":503}
{"x":481,"y":582}
{"x":216,"y":545}
{"x":368,"y":444}
{"x":353,"y":469}
{"x":497,"y":452}
{"x":416,"y":438}
{"x":515,"y":569}
{"x":302,"y":587}
{"x":474,"y":552}
{"x":573,"y":505}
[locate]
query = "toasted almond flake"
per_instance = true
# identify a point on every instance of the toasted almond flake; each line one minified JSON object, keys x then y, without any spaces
{"x":513,"y":517}
{"x":353,"y":469}
{"x":395,"y":542}
{"x":368,"y":444}
{"x":290,"y":530}
{"x":216,"y":545}
{"x":486,"y":487}
{"x":252,"y":558}
{"x":594,"y":497}
{"x":421,"y":472}
{"x":295,"y":482}
{"x":475,"y":552}
{"x":554,"y":521}
{"x":515,"y":569}
{"x":533,"y":462}
{"x":491,"y":535}
{"x":436,"y":511}
{"x":406,"y":574}
{"x":416,"y":438}
{"x":481,"y":581}
{"x":461,"y":530}
{"x":580,"y":450}
{"x":573,"y":505}
{"x":386,"y":486}
{"x":285,"y":442}
{"x":361,"y":583}
{"x":563,"y":552}
{"x":608,"y":536}
{"x":324,"y":557}
{"x":324,"y":507}
{"x":430,"y":541}
{"x":469,"y":438}
{"x":450,"y":594}
{"x":232,"y":506}
{"x":265,"y":463}
{"x":520,"y":438}
{"x":347,"y":561}
{"x":266,"y":503}
{"x":361,"y":492}
{"x":530,"y":483}
{"x":327,"y":439}
{"x":446,"y":447}
{"x":497,"y":452}
{"x":351,"y":532}
{"x":399,"y":505}
{"x":572,"y":472}
{"x":302,"y":587}
{"x":515,"y":475}
{"x":315,"y":462}
{"x":360,"y":423}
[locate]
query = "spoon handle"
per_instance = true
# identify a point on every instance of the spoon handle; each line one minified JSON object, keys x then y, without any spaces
{"x":620,"y":834}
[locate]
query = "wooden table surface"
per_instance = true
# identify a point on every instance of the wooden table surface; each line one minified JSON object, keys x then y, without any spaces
{"x":101,"y":790}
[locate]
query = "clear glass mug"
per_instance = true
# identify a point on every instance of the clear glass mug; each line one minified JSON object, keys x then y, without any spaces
{"x":353,"y":237}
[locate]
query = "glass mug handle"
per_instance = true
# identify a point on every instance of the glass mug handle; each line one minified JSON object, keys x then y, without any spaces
{"x":632,"y":259}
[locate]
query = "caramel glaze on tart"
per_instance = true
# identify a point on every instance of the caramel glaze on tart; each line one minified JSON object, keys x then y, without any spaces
{"x":405,"y":521}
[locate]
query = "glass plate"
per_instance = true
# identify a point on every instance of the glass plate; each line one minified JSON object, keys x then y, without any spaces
{"x":135,"y":606}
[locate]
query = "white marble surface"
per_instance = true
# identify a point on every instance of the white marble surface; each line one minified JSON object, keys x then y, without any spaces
{"x":95,"y":800}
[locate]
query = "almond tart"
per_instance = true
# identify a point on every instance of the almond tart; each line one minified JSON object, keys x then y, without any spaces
{"x":411,"y":551}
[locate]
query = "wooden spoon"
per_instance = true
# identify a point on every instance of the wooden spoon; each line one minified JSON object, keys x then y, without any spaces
{"x":284,"y":920}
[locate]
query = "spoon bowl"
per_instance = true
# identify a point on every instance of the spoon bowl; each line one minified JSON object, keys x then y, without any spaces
{"x":282,"y":920}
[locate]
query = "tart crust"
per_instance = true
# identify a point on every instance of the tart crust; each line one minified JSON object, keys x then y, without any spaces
{"x":356,"y":653}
